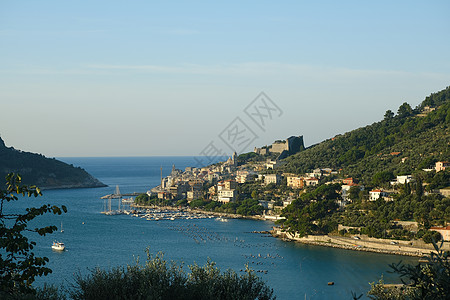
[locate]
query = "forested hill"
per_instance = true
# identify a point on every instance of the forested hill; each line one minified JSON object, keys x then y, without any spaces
{"x":402,"y":143}
{"x":46,"y":173}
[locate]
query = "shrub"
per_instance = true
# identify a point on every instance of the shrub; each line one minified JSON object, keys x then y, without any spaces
{"x":158,"y":279}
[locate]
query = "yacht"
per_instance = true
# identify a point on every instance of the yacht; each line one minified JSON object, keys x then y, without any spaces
{"x":58,"y":246}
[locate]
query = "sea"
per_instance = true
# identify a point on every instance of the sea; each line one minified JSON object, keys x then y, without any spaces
{"x":92,"y":239}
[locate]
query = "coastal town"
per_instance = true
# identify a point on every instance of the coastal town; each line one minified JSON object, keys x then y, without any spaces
{"x":258,"y":178}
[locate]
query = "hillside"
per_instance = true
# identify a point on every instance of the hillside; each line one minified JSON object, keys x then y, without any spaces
{"x":402,"y":143}
{"x":46,"y":173}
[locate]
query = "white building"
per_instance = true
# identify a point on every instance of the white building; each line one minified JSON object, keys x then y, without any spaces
{"x":403,"y":179}
{"x":376,"y":194}
{"x":226,"y":196}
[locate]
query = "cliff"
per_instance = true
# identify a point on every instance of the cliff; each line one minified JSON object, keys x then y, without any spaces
{"x":46,"y":173}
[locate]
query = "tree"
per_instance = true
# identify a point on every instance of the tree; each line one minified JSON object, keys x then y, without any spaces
{"x":404,"y":110}
{"x":354,"y":193}
{"x":19,"y":267}
{"x":388,"y":115}
{"x":382,"y":177}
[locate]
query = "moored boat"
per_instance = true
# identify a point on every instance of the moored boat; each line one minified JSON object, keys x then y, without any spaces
{"x":58,"y":246}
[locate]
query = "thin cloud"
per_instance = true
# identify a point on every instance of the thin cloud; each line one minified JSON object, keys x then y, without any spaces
{"x":258,"y":68}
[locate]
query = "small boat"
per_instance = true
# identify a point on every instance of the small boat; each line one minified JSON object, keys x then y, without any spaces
{"x":58,"y":246}
{"x":62,"y":230}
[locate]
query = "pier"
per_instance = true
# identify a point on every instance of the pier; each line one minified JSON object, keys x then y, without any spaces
{"x":117,"y":195}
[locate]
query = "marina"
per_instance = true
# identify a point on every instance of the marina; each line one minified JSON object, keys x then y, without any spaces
{"x":161,"y":214}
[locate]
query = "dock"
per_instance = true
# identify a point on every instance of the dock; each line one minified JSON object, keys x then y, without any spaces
{"x":118,"y":195}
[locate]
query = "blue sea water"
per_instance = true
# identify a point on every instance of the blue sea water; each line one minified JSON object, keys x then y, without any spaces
{"x":92,"y":239}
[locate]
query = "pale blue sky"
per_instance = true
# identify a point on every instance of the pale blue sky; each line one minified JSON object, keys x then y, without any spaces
{"x":116,"y":78}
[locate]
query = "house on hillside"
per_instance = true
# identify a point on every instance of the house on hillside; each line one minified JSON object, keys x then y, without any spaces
{"x":349,"y":181}
{"x":272,"y":178}
{"x":442,"y":166}
{"x":403,"y":179}
{"x":377,"y":194}
{"x":294,"y":181}
{"x":312,"y":181}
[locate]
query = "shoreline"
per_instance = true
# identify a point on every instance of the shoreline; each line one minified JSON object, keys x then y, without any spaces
{"x":373,"y":245}
{"x":381,"y":246}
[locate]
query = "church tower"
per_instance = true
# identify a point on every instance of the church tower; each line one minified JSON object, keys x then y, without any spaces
{"x":234,"y":158}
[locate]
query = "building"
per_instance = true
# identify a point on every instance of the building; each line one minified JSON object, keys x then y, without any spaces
{"x":403,"y":179}
{"x":243,"y":178}
{"x":220,"y":186}
{"x":291,"y":145}
{"x":226,"y":195}
{"x":196,"y":184}
{"x":349,"y":181}
{"x":295,"y":182}
{"x":444,"y":192}
{"x":194,"y":194}
{"x":444,"y":231}
{"x":232,"y":161}
{"x":272,"y":178}
{"x":164,"y":195}
{"x":230,"y":184}
{"x":376,"y":194}
{"x":312,"y":181}
{"x":213,"y":190}
{"x":272,"y":164}
{"x":442,"y":165}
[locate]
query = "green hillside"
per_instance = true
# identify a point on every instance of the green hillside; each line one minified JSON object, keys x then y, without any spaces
{"x":43,"y":172}
{"x":421,"y":135}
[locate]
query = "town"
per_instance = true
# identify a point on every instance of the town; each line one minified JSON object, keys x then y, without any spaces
{"x":256,"y":185}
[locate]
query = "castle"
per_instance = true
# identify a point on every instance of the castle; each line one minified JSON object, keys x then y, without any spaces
{"x":291,"y":145}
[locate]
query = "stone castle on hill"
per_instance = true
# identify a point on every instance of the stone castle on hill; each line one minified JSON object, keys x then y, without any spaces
{"x":289,"y":146}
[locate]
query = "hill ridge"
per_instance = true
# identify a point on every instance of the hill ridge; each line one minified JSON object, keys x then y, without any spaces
{"x":46,"y":173}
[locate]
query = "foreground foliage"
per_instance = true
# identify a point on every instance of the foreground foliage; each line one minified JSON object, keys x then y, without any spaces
{"x":18,"y":265}
{"x":158,"y":279}
{"x":429,"y":280}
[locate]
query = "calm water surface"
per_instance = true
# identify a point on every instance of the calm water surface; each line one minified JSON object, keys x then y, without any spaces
{"x":294,"y":271}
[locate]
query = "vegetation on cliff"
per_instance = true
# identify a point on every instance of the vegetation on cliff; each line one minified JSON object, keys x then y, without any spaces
{"x":45,"y":172}
{"x":406,"y":143}
{"x":413,"y":139}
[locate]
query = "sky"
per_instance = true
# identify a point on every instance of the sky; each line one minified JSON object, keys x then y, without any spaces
{"x":147,"y":78}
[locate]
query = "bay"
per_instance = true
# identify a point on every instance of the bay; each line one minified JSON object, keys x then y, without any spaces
{"x":294,"y":271}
